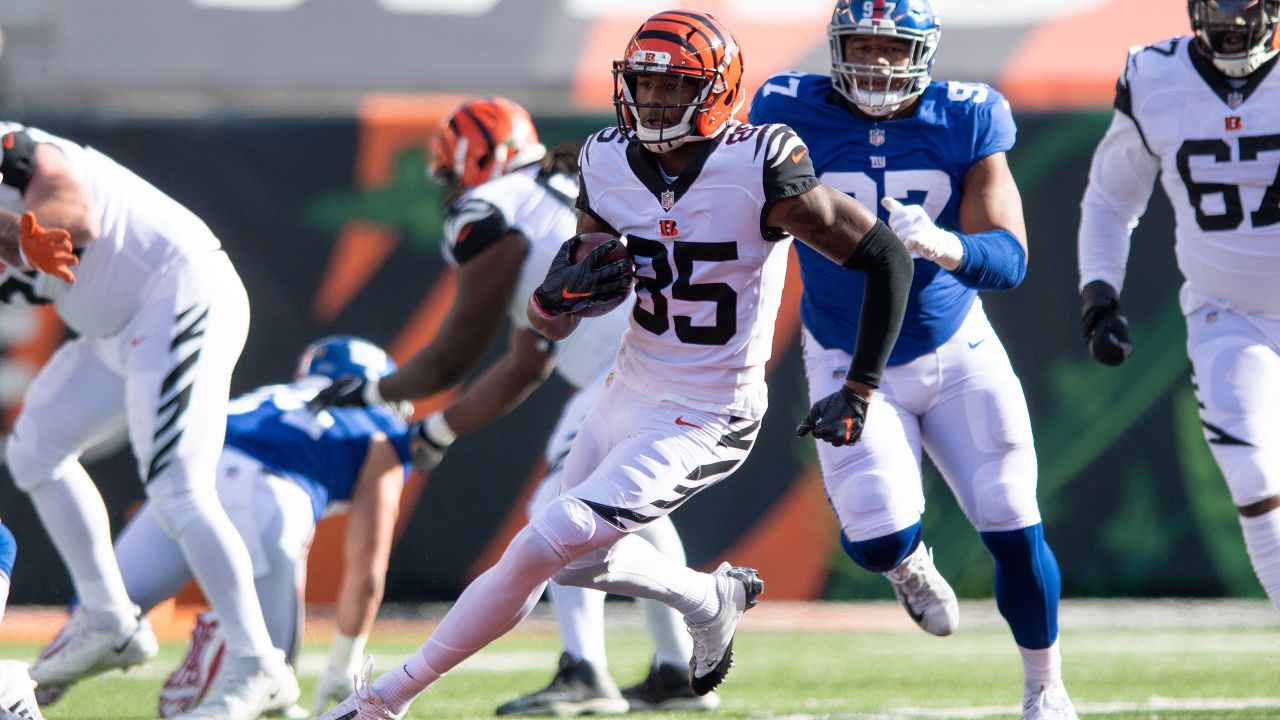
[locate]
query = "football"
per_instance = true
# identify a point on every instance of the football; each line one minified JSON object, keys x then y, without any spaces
{"x":582,"y":245}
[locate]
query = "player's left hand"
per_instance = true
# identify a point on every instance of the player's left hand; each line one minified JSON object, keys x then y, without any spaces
{"x":427,"y":451}
{"x":48,"y":250}
{"x":335,"y":686}
{"x":916,"y":229}
{"x":346,"y":391}
{"x":838,"y":418}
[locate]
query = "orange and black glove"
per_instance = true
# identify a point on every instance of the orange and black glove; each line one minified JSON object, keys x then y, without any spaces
{"x":49,"y":251}
{"x":837,"y":418}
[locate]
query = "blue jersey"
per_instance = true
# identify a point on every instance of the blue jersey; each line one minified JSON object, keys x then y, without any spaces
{"x":921,"y":159}
{"x":323,"y":452}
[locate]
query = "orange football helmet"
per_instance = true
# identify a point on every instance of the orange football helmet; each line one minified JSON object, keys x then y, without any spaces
{"x":687,"y":45}
{"x":482,"y":139}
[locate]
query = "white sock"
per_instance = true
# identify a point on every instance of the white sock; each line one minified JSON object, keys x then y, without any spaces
{"x":1262,"y":539}
{"x":1043,"y":667}
{"x":579,"y":615}
{"x":221,"y":564}
{"x":672,"y":644}
{"x":75,"y":517}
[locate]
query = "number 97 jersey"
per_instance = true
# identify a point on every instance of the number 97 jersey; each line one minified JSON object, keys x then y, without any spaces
{"x":709,"y":271}
{"x":920,"y":159}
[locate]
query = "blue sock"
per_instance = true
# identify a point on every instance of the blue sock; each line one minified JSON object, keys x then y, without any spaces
{"x":1027,"y":584}
{"x":8,"y":550}
{"x":884,"y":553}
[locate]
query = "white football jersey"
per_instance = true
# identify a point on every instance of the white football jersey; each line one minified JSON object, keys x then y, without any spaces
{"x":143,"y":232}
{"x":710,"y":273}
{"x":540,"y":206}
{"x":1217,"y":146}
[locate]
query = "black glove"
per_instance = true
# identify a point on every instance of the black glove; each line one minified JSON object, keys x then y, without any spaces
{"x":837,"y":418}
{"x":570,"y":288}
{"x":346,"y":391}
{"x":1105,"y":329}
{"x":427,"y":453}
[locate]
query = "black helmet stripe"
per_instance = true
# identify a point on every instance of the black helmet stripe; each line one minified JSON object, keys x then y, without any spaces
{"x":488,"y":137}
{"x":717,"y":46}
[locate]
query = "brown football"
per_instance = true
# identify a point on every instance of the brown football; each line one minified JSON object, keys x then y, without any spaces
{"x":586,"y":242}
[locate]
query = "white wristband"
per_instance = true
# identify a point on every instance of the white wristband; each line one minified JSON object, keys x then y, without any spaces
{"x":345,"y":651}
{"x":371,"y":395}
{"x":23,"y":262}
{"x":438,"y":431}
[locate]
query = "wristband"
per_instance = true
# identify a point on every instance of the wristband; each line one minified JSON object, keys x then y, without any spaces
{"x":437,"y":430}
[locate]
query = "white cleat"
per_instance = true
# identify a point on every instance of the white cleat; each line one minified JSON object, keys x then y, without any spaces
{"x":247,"y":687}
{"x":738,"y":588}
{"x":364,"y":703}
{"x":93,"y":642}
{"x":17,"y":696}
{"x":1047,"y":702}
{"x":187,"y":685}
{"x":925,"y":594}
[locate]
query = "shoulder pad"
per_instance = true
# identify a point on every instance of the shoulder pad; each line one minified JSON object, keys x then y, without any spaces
{"x":471,"y":226}
{"x":17,"y":156}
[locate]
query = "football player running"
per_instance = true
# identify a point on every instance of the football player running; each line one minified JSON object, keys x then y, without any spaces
{"x":282,"y":469}
{"x":1204,"y":112}
{"x":510,"y":209}
{"x":17,"y":701}
{"x":932,"y":154}
{"x":708,"y":207}
{"x":160,"y":318}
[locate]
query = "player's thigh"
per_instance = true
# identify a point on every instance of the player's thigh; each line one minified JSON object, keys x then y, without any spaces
{"x":178,"y":375}
{"x":283,"y":533}
{"x":662,"y":455}
{"x":75,"y":401}
{"x":978,"y":433}
{"x":874,"y":484}
{"x":1237,"y":379}
{"x":151,"y":563}
{"x":573,"y":418}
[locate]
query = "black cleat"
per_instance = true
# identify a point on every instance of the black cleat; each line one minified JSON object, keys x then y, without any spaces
{"x":578,"y":688}
{"x":713,"y":640}
{"x":666,"y":689}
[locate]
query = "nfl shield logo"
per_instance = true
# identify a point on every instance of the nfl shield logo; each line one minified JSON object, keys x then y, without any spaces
{"x":667,"y":199}
{"x":877,"y":136}
{"x":1235,"y":99}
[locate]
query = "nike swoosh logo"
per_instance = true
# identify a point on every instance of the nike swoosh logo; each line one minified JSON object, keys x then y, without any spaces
{"x":917,"y":616}
{"x":681,"y":421}
{"x":798,"y":155}
{"x":573,"y":295}
{"x":848,"y":428}
{"x":973,"y":345}
{"x":125,"y":645}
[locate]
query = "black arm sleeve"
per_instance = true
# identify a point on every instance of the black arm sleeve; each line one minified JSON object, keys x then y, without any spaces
{"x":888,"y":267}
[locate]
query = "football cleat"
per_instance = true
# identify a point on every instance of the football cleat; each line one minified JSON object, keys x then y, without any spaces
{"x":17,"y":701}
{"x":247,"y":687}
{"x":738,"y":588}
{"x":187,"y":685}
{"x":667,"y":689}
{"x":925,"y":594}
{"x":1047,"y":702}
{"x":93,"y":642}
{"x":364,"y":703}
{"x":578,"y":688}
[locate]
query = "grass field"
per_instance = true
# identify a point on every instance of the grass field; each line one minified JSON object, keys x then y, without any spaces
{"x":1123,"y":660}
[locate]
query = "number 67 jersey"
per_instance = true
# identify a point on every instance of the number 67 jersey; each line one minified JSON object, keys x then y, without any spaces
{"x":709,"y":271}
{"x":1217,"y":145}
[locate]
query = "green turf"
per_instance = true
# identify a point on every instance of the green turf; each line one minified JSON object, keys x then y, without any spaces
{"x":841,"y":675}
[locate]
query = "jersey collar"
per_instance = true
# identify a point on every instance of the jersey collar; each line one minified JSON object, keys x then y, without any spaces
{"x":1218,"y":83}
{"x":645,"y":166}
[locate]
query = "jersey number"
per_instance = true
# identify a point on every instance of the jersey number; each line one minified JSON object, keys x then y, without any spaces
{"x":898,"y":184}
{"x":1232,"y":215}
{"x":658,"y":321}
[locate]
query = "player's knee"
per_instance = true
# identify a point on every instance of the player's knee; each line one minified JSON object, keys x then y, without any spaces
{"x":582,"y":571}
{"x":1007,"y":504}
{"x":30,"y":465}
{"x":569,"y":526}
{"x":1253,"y":478}
{"x":176,"y":509}
{"x":884,"y":553}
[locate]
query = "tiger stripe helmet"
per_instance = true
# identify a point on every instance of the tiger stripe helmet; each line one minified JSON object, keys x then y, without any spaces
{"x":691,"y":45}
{"x":482,"y":139}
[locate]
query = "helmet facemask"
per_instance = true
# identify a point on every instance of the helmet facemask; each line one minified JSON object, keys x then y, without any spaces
{"x":646,"y":66}
{"x":879,"y":90}
{"x":1239,"y":36}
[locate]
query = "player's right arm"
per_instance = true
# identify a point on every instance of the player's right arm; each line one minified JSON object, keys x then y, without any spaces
{"x":499,"y":389}
{"x":1121,"y":178}
{"x":371,"y":521}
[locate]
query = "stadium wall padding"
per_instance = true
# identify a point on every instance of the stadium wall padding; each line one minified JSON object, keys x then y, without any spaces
{"x":334,"y":228}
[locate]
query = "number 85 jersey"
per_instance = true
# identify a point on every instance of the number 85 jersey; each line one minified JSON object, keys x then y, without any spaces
{"x":709,"y":271}
{"x":1217,"y":146}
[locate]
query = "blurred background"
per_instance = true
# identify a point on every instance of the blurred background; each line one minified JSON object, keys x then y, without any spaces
{"x":297,"y":129}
